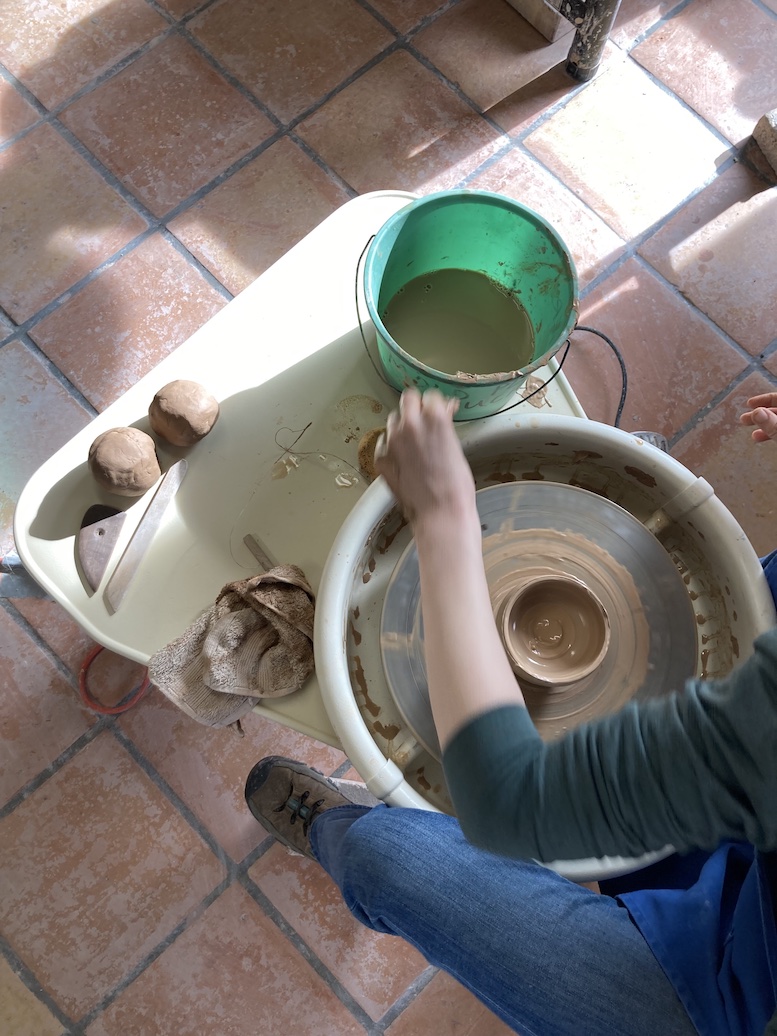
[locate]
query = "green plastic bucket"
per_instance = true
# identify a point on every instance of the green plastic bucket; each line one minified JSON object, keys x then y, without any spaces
{"x":490,"y":234}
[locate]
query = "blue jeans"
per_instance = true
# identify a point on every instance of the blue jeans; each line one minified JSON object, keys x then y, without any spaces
{"x":549,"y":957}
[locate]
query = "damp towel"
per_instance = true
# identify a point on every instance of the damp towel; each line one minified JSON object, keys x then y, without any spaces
{"x":255,"y":642}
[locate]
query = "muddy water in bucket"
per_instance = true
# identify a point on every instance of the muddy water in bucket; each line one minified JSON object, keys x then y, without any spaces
{"x":469,"y":292}
{"x":460,"y":321}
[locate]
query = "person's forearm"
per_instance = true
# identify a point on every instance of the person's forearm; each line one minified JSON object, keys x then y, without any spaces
{"x":466,"y":664}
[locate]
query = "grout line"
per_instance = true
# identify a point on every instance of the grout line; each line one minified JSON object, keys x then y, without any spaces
{"x":669,"y":92}
{"x":770,"y":348}
{"x":368,"y":66}
{"x":192,"y":260}
{"x":104,"y":77}
{"x":58,"y":375}
{"x":766,"y":10}
{"x":191,"y":917}
{"x":54,"y":766}
{"x":708,"y":407}
{"x":27,"y":977}
{"x":196,"y":196}
{"x":257,"y":852}
{"x":678,"y":293}
{"x":658,"y":24}
{"x":185,"y":33}
{"x":299,"y":944}
{"x":68,"y":293}
{"x":188,"y":815}
{"x":108,"y":176}
{"x":39,"y":642}
{"x":341,"y":770}
{"x":191,"y":15}
{"x":429,"y":65}
{"x":405,"y":999}
{"x":315,"y":157}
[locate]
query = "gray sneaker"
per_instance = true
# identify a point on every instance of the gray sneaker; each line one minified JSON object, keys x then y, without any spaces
{"x":286,"y":796}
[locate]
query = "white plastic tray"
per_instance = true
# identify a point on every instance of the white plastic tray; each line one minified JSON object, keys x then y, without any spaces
{"x":284,"y":354}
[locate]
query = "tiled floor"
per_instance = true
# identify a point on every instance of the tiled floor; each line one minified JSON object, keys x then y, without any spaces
{"x":155,"y":157}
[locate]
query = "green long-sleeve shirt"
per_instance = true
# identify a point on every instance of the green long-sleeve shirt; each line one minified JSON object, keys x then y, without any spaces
{"x":686,"y":770}
{"x":693,"y":770}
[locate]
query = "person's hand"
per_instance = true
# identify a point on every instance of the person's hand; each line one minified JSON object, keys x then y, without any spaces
{"x":421,"y":458}
{"x":762,"y":417}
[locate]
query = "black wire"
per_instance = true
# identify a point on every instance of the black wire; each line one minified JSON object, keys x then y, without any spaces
{"x":524,"y":399}
{"x":624,"y":375}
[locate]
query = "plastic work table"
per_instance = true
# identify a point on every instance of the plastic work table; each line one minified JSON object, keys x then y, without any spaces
{"x":297,"y":390}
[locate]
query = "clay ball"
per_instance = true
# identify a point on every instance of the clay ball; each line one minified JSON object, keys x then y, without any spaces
{"x":183,"y":412}
{"x":366,"y":452}
{"x":124,"y":461}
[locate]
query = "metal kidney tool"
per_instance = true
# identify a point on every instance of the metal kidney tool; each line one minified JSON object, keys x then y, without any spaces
{"x":130,"y":560}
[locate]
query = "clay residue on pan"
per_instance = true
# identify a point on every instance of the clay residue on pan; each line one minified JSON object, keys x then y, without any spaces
{"x":390,"y":531}
{"x":640,"y":476}
{"x":387,"y":732}
{"x":361,"y":680}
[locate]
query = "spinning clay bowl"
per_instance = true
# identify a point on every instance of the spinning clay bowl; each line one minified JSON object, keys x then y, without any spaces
{"x":555,"y":630}
{"x":650,"y":578}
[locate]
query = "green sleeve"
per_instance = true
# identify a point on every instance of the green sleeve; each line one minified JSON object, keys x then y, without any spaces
{"x":685,"y":770}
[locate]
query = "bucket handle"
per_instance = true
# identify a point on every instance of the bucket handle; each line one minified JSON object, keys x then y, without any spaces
{"x":460,"y":421}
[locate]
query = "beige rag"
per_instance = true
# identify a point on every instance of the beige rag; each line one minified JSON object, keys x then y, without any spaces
{"x":255,"y":642}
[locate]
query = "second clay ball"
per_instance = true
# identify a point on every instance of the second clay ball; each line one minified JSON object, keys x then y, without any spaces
{"x":183,"y":412}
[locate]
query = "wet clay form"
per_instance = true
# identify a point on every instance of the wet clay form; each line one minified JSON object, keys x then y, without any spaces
{"x":366,"y":452}
{"x":555,"y":631}
{"x":183,"y":412}
{"x":592,"y":610}
{"x":124,"y":461}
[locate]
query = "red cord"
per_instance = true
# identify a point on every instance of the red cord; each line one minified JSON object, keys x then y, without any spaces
{"x":96,"y":706}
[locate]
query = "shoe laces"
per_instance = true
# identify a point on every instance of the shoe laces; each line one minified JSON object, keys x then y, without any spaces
{"x":299,"y":808}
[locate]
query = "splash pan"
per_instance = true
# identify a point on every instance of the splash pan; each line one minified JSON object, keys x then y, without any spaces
{"x":535,"y":530}
{"x":684,"y":522}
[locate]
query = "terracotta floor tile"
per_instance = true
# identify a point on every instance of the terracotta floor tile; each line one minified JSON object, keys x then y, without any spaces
{"x":405,"y":15}
{"x":443,"y":1007}
{"x":208,"y":767}
{"x":40,"y":712}
{"x":138,"y":123}
{"x":637,"y":16}
{"x":100,"y":868}
{"x":111,"y":677}
{"x":6,"y":327}
{"x":59,"y":222}
{"x":280,"y":56}
{"x":37,"y":416}
{"x":56,"y":48}
{"x":720,"y":61}
{"x":676,"y":361}
{"x":719,"y":251}
{"x":742,"y":473}
{"x":628,"y":149}
{"x":120,"y":325}
{"x":592,"y":244}
{"x":234,"y":971}
{"x":488,"y":49}
{"x":398,"y":127}
{"x":374,"y":968}
{"x":179,"y":8}
{"x":16,"y":114}
{"x":21,"y":1013}
{"x":241,"y":227}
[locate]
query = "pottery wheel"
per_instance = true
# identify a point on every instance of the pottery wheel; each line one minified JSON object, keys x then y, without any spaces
{"x":550,"y":529}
